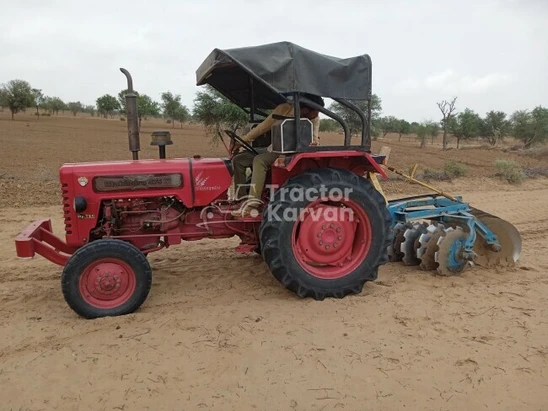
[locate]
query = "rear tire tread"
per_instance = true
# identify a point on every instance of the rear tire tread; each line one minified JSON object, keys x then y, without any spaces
{"x":270,"y":234}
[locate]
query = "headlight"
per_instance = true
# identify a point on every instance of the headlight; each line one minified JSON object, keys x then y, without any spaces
{"x":79,"y":204}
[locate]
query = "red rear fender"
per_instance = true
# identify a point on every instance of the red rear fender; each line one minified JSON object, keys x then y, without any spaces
{"x":358,"y":162}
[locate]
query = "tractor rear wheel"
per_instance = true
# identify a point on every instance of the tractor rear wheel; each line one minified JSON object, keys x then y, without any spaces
{"x":106,"y":278}
{"x":328,"y":245}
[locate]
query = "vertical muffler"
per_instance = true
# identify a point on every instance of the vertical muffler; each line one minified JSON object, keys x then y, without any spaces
{"x":132,"y":118}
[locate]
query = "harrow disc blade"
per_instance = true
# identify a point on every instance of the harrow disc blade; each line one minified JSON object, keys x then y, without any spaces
{"x":409,"y":244}
{"x":390,"y":250}
{"x":423,"y":241}
{"x":425,"y":238}
{"x":509,"y":239}
{"x":428,"y":260}
{"x":394,"y":253}
{"x":448,"y":256}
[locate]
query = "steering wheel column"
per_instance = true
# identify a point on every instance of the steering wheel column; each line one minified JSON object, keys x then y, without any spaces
{"x":235,"y":138}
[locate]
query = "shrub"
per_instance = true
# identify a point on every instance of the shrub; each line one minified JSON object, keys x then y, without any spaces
{"x":531,"y":172}
{"x":122,"y":119}
{"x":509,"y":170}
{"x":454,"y":169}
{"x":451,"y":169}
{"x":537,"y":152}
{"x":432,"y":174}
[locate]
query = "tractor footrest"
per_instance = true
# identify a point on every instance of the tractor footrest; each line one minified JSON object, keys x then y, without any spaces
{"x":38,"y":238}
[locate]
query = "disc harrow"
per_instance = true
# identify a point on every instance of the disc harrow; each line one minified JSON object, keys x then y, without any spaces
{"x":448,"y":236}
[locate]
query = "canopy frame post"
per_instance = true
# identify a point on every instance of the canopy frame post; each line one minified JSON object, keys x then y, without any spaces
{"x":251,"y":99}
{"x":297,"y":115}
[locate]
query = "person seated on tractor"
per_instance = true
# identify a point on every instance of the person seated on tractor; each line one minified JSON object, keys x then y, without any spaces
{"x":261,"y":162}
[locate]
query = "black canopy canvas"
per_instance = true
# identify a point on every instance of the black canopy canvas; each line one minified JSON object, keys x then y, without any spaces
{"x":273,"y":70}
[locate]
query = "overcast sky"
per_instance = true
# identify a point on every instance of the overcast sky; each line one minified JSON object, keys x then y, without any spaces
{"x":492,"y":54}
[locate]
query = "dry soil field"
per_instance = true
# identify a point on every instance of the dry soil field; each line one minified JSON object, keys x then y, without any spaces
{"x":219,"y":333}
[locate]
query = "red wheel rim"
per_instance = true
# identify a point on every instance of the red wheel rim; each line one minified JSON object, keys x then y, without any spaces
{"x":330,"y":240}
{"x":107,"y":283}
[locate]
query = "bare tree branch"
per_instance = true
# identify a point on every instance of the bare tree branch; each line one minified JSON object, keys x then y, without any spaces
{"x":448,"y":110}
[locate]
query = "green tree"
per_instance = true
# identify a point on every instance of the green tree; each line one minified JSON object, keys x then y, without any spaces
{"x":353,"y":120}
{"x":423,"y":130}
{"x":90,"y":109}
{"x":38,"y":100}
{"x":433,"y":129}
{"x":465,"y":125}
{"x":146,"y":107}
{"x":329,"y":125}
{"x":17,"y":95}
{"x":494,"y":127}
{"x":216,"y":112}
{"x":3,"y":100}
{"x":531,"y":127}
{"x":403,"y":127}
{"x":388,"y":124}
{"x":182,"y":114}
{"x":56,"y":104}
{"x":75,"y":107}
{"x":107,"y":105}
{"x":171,"y":104}
{"x":46,"y":104}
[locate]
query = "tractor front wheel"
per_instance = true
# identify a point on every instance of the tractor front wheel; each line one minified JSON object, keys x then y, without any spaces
{"x":106,"y":278}
{"x":328,"y":245}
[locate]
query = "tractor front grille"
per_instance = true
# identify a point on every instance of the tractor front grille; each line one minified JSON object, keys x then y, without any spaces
{"x":66,"y":209}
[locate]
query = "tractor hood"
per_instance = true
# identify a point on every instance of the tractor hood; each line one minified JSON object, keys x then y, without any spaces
{"x":195,"y":181}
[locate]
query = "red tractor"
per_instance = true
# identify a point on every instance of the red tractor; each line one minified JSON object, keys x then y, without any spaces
{"x":324,"y":228}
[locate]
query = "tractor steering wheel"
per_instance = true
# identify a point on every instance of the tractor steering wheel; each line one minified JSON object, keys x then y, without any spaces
{"x":236,"y":138}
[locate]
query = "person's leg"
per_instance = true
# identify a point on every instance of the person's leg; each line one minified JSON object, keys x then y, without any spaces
{"x":261,"y":164}
{"x":240,"y":163}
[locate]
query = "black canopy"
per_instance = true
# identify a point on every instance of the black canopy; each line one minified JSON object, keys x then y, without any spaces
{"x":273,"y":70}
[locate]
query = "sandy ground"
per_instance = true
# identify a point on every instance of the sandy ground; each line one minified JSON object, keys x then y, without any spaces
{"x":218,"y":332}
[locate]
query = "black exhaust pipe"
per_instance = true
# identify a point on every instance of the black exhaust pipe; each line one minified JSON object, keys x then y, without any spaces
{"x":132,"y":118}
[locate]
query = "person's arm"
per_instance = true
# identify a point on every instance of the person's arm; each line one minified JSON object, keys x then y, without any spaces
{"x":266,"y":124}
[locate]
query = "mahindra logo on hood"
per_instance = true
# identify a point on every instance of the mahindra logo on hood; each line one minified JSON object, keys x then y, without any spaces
{"x":200,"y":182}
